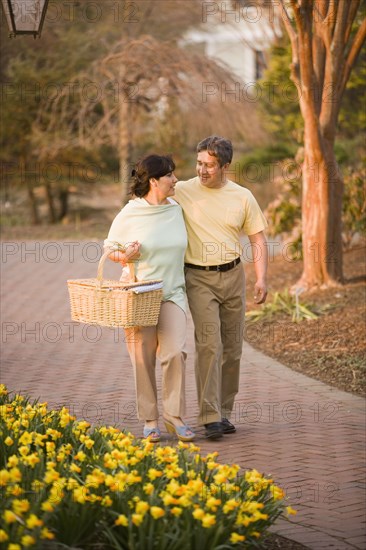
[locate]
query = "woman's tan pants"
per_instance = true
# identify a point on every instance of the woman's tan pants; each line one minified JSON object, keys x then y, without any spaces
{"x":166,"y":341}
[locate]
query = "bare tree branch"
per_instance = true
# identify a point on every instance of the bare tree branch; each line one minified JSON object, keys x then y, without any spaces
{"x":356,"y":46}
{"x":353,"y":9}
{"x":295,"y":76}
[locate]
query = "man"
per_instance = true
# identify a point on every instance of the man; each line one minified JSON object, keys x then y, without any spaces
{"x":217,"y":211}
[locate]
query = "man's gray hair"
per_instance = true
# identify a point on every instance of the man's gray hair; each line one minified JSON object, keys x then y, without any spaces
{"x":218,"y":147}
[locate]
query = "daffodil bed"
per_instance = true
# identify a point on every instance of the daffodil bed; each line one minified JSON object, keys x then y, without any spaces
{"x":65,"y":484}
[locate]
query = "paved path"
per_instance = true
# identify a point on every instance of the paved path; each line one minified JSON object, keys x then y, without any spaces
{"x":308,"y":436}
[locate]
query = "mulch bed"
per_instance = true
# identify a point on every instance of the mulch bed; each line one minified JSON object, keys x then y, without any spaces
{"x":331,"y":348}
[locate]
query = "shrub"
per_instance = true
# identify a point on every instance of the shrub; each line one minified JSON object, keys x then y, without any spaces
{"x":65,"y":482}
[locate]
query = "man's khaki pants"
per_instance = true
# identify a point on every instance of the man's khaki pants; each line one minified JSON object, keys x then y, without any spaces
{"x":166,"y":341}
{"x":217,"y":304}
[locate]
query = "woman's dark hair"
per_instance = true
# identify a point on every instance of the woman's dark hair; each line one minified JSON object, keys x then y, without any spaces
{"x":151,"y":166}
{"x":218,"y":147}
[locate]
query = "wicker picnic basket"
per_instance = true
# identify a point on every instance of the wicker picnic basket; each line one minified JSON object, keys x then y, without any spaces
{"x":114,"y":303}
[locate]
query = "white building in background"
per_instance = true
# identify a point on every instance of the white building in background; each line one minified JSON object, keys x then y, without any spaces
{"x":238,"y":39}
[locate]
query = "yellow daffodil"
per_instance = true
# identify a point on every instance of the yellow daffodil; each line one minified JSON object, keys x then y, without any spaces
{"x":121,"y":520}
{"x":106,"y":501}
{"x":157,"y":512}
{"x":28,"y":540}
{"x":37,"y":485}
{"x":87,"y":441}
{"x":3,"y":390}
{"x":33,"y":521}
{"x":13,"y":546}
{"x":142,"y":507}
{"x":198,"y":513}
{"x":15,"y":474}
{"x":290,"y":511}
{"x":169,"y":499}
{"x":80,"y":495}
{"x":39,"y":439}
{"x":253,"y":476}
{"x":9,"y":516}
{"x":13,"y":460}
{"x":46,"y":506}
{"x":110,"y":462}
{"x":230,"y":505}
{"x":277,"y":492}
{"x":212,"y":503}
{"x":23,"y":450}
{"x":184,"y":501}
{"x":65,"y":417}
{"x":153,"y":473}
{"x":220,"y":478}
{"x":3,"y":536}
{"x":15,"y":490}
{"x":80,"y":456}
{"x":26,"y":438}
{"x":4,"y":477}
{"x":8,"y":441}
{"x":47,"y":534}
{"x":55,"y":434}
{"x":20,"y":506}
{"x":235,"y":538}
{"x":137,"y":519}
{"x":50,"y":448}
{"x":51,"y":475}
{"x":31,"y":460}
{"x":148,"y":488}
{"x":208,"y":520}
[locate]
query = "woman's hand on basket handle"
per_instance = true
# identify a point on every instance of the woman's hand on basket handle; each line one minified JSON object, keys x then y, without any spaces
{"x":130,"y":254}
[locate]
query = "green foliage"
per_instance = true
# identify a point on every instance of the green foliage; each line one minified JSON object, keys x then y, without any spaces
{"x":284,"y":304}
{"x":354,"y":203}
{"x":284,"y":213}
{"x":352,"y":116}
{"x":262,"y":162}
{"x":266,"y":155}
{"x":279,"y":101}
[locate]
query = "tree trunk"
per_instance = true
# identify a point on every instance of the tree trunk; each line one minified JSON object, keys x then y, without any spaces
{"x":124,"y":147}
{"x":63,"y":197}
{"x":322,"y":214}
{"x":324,"y":50}
{"x":36,"y":220}
{"x":50,"y":203}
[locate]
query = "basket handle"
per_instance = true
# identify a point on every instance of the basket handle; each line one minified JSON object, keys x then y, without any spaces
{"x":102,"y":262}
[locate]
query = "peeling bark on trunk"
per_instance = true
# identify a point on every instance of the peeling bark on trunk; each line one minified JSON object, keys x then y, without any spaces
{"x":322,"y":209}
{"x":325,"y":44}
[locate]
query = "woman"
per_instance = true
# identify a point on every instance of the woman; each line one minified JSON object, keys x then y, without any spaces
{"x":151,"y":229}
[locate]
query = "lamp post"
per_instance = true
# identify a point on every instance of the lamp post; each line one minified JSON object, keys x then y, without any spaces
{"x":25,"y":16}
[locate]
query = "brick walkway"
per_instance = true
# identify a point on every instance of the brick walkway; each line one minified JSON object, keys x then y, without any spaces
{"x":308,"y":436}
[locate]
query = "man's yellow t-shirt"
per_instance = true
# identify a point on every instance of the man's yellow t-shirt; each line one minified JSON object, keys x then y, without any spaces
{"x":215,"y":219}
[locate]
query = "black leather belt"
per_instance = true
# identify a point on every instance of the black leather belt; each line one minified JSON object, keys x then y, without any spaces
{"x":222,"y":267}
